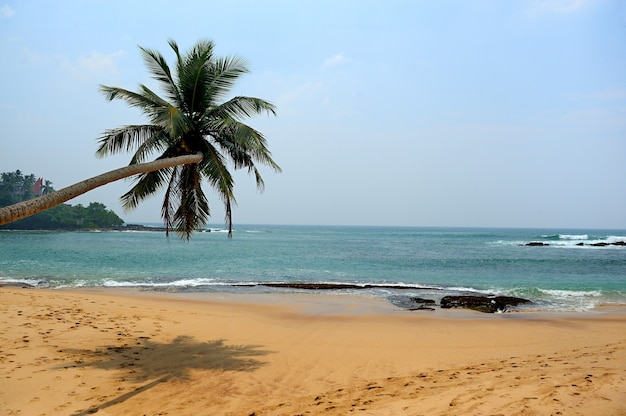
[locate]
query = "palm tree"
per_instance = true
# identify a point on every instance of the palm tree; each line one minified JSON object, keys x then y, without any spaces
{"x":46,"y":188}
{"x":195,"y":133}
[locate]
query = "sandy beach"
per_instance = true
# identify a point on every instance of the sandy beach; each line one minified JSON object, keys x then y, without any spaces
{"x":106,"y":352}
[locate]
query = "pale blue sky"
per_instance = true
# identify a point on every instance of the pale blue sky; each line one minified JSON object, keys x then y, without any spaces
{"x":419,"y":113}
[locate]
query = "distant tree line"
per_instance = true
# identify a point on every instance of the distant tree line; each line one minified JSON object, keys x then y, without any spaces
{"x":16,"y":187}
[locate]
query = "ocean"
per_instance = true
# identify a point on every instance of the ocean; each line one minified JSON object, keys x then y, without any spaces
{"x":563,"y":270}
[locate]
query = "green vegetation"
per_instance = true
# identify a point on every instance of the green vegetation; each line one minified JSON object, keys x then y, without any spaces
{"x":16,"y":187}
{"x":196,"y":135}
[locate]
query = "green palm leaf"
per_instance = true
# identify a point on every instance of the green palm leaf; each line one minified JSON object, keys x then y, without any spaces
{"x":161,"y":72}
{"x":145,"y":186}
{"x":127,"y":138}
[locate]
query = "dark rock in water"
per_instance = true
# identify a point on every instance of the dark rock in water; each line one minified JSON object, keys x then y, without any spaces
{"x":412,"y":303}
{"x":136,"y":227}
{"x":581,"y":244}
{"x":337,"y":286}
{"x":604,"y":244}
{"x":312,"y":286}
{"x":487,"y":304}
{"x":422,"y":300}
{"x":16,"y":284}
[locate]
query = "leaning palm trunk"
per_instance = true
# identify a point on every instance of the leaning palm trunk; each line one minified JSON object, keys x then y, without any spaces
{"x":25,"y":209}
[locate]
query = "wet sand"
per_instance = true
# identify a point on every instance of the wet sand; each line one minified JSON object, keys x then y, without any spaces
{"x":111,"y":352}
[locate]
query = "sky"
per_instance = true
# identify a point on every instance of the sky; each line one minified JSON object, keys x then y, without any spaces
{"x":459,"y":113}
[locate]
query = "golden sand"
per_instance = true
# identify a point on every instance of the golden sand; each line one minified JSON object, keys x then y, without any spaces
{"x":119,"y":353}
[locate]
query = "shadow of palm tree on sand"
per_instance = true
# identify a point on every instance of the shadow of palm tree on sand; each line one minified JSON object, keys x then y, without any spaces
{"x":158,"y":362}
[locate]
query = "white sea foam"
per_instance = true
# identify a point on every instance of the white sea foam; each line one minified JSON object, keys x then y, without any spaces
{"x":176,"y":283}
{"x":508,"y":242}
{"x":591,"y":244}
{"x":568,"y":300}
{"x":465,"y":289}
{"x":573,"y":236}
{"x":571,"y":293}
{"x":552,"y":236}
{"x":571,"y":241}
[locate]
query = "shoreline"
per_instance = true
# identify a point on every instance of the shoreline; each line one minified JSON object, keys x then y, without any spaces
{"x":324,"y":302}
{"x":399,"y":296}
{"x":114,"y":351}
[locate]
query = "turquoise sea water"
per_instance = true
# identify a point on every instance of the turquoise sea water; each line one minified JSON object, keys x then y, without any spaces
{"x":567,"y":274}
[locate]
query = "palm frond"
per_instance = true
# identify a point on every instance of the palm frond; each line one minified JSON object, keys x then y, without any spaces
{"x":193,"y":208}
{"x":170,"y":201}
{"x":132,"y":98}
{"x":228,"y":217}
{"x":245,"y":146}
{"x":194,"y":77}
{"x":146,"y":185}
{"x":254,"y":143}
{"x":158,"y":142}
{"x":164,"y":114}
{"x":225,"y":72}
{"x":174,"y":47}
{"x":203,"y":49}
{"x":244,"y":107}
{"x":215,"y":171}
{"x":161,"y":72}
{"x":127,"y":138}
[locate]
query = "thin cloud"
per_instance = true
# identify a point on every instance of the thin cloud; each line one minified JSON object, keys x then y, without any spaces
{"x":334,"y":61}
{"x":96,"y":63}
{"x":302,"y":91}
{"x":615,"y":94}
{"x":32,"y":57}
{"x":599,"y":116}
{"x":544,"y":7}
{"x":6,"y":12}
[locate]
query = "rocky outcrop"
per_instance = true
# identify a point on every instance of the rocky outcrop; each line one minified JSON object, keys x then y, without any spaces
{"x":17,"y":285}
{"x":421,"y":304}
{"x":312,"y":286}
{"x":487,"y":304}
{"x":481,"y":303}
{"x":581,"y":244}
{"x":336,"y":286}
{"x":412,"y":303}
{"x":136,"y":227}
